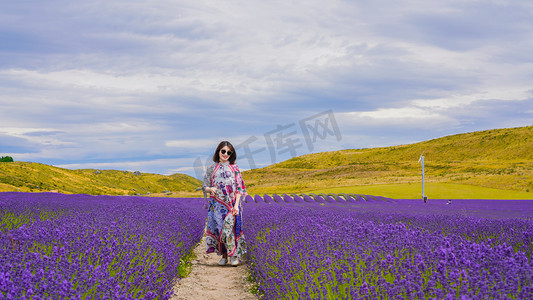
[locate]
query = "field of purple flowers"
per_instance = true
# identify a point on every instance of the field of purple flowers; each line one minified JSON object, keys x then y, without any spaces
{"x":361,"y":247}
{"x":55,"y":246}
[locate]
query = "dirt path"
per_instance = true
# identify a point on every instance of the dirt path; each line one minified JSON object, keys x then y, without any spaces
{"x":209,"y":281}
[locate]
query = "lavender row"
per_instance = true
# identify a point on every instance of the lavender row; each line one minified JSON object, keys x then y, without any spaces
{"x":55,"y":246}
{"x":398,"y":249}
{"x":316,"y":198}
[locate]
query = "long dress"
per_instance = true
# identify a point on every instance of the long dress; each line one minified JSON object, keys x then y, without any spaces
{"x":224,"y":231}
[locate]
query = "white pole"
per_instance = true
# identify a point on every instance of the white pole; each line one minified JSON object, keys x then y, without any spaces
{"x":423,"y":192}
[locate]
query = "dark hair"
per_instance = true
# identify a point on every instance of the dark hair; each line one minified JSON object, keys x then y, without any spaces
{"x":233,"y":156}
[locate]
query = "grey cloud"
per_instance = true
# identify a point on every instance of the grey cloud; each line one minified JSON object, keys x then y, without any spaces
{"x":12,"y":145}
{"x":43,"y":133}
{"x":240,"y":68}
{"x":497,"y":114}
{"x":478,"y":26}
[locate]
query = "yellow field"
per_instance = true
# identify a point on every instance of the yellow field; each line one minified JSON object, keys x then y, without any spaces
{"x":432,"y":190}
{"x":490,"y":164}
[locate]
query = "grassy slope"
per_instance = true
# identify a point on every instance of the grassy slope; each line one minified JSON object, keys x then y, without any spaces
{"x":485,"y":164}
{"x":500,"y":159}
{"x":435,"y":190}
{"x":35,"y":177}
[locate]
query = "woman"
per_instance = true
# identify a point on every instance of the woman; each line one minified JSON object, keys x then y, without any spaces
{"x":224,"y":182}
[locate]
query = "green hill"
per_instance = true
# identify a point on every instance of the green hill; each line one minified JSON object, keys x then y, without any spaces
{"x":500,"y":159}
{"x":494,"y":164}
{"x":35,"y":177}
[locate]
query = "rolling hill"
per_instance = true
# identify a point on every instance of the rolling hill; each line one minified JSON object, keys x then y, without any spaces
{"x":484,"y":164}
{"x":35,"y":177}
{"x":500,"y":159}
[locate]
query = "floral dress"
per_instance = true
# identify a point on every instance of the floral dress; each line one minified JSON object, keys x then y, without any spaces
{"x":224,"y":231}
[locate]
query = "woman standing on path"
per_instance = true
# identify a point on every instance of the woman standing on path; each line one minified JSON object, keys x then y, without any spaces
{"x":224,"y":182}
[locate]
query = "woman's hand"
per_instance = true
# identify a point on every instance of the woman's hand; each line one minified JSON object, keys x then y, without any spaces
{"x":235,"y":210}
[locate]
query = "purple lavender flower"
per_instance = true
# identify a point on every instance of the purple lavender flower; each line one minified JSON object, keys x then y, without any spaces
{"x":397,"y":248}
{"x":96,"y":243}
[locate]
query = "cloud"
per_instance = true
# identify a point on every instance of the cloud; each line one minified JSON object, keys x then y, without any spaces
{"x":11,"y":145}
{"x":454,"y":111}
{"x":130,"y":81}
{"x":406,"y":117}
{"x":166,"y":166}
{"x":31,"y":136}
{"x":192,"y":144}
{"x":454,"y":25}
{"x":465,"y":100}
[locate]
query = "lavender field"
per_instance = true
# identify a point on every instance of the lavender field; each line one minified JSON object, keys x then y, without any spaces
{"x":376,"y":248}
{"x":55,"y":246}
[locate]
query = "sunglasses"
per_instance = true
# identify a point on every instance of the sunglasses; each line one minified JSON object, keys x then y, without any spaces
{"x":224,"y":152}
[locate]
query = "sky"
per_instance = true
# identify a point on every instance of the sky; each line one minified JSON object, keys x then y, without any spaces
{"x":154,"y":86}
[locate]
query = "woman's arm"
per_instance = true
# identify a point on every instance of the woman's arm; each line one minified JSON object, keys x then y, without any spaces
{"x":237,"y":200}
{"x":236,"y":207}
{"x":241,"y":188}
{"x":206,"y":185}
{"x":240,"y":191}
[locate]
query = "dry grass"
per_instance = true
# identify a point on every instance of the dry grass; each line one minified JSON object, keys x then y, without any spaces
{"x":499,"y":159}
{"x":34,"y":177}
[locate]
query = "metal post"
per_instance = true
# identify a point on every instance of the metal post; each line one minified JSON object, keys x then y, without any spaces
{"x":423,"y":192}
{"x":421,"y":161}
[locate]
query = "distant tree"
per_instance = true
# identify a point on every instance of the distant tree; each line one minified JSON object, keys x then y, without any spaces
{"x":6,"y":159}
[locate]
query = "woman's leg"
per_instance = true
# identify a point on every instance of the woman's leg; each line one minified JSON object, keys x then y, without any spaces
{"x":224,"y":251}
{"x":224,"y":258}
